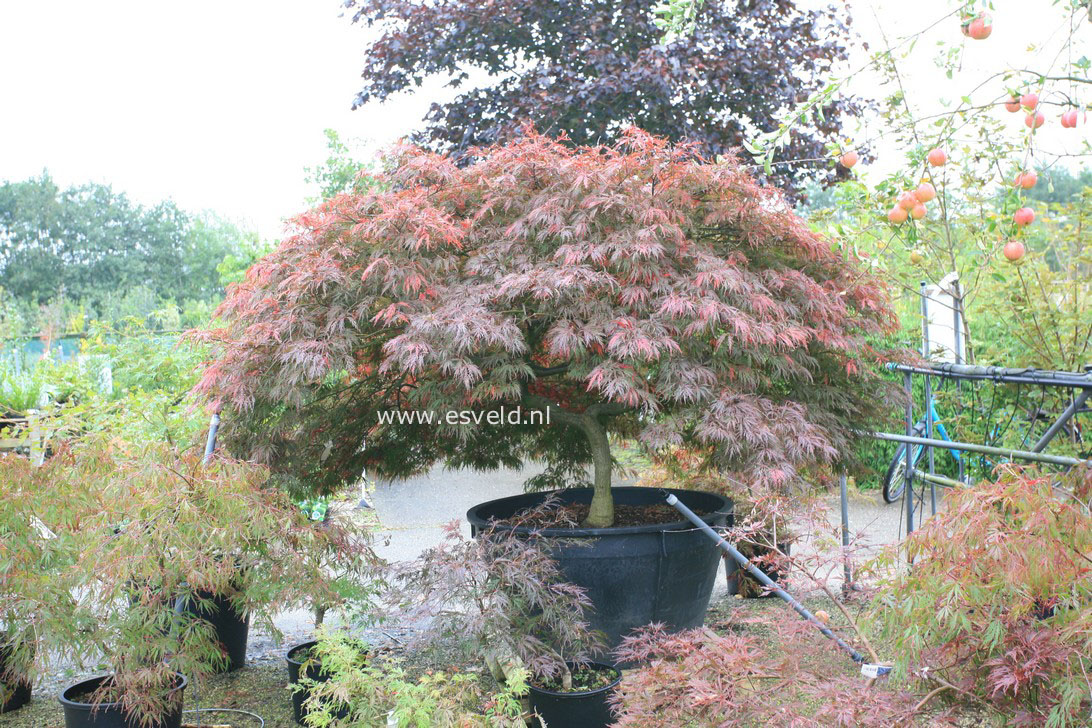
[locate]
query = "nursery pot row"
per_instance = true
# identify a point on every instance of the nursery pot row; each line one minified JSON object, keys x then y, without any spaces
{"x":633,"y":575}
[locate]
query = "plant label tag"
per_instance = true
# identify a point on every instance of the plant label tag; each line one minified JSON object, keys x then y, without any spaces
{"x":874,"y":671}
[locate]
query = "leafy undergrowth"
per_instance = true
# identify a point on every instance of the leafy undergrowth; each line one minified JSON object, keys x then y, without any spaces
{"x":260,"y":687}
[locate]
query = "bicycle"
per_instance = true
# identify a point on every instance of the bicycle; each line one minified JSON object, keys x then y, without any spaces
{"x":895,"y":481}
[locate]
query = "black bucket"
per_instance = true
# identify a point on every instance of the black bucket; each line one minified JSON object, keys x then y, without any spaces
{"x":313,"y":671}
{"x":111,"y":715}
{"x":13,"y":694}
{"x":574,"y":710}
{"x":231,"y":627}
{"x":633,"y":575}
{"x":740,"y":582}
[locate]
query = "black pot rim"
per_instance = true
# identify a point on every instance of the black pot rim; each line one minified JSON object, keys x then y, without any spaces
{"x":182,"y":682}
{"x":294,"y":648}
{"x":726,"y":507}
{"x":584,"y":693}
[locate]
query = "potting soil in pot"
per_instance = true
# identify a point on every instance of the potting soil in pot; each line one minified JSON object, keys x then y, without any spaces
{"x":571,"y":515}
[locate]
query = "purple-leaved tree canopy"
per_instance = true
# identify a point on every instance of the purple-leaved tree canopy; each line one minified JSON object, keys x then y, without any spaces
{"x":588,"y":69}
{"x":633,"y":290}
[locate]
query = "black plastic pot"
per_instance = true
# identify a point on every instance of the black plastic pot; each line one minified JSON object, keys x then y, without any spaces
{"x":313,"y":671}
{"x":111,"y":715}
{"x":16,"y":695}
{"x":231,"y":627}
{"x":742,"y":583}
{"x":633,"y":575}
{"x":13,"y":694}
{"x":574,"y":710}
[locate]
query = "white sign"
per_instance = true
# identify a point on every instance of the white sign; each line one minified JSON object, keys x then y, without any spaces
{"x":943,"y":327}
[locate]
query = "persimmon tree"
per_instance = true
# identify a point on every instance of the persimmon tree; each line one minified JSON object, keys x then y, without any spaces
{"x":632,"y":289}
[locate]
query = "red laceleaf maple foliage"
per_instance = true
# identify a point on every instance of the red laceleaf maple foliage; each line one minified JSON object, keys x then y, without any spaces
{"x":633,"y":289}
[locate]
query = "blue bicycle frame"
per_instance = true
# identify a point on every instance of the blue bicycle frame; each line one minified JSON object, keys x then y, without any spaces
{"x":941,"y":430}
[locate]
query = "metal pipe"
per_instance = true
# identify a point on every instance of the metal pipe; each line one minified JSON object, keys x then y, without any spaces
{"x":957,"y":328}
{"x":1001,"y":374}
{"x":754,"y":571}
{"x":972,"y":447}
{"x":210,"y":444}
{"x":1071,"y":410}
{"x":908,"y":452}
{"x":938,"y":479}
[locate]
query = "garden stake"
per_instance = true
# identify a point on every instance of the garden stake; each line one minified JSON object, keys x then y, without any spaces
{"x":744,"y":562}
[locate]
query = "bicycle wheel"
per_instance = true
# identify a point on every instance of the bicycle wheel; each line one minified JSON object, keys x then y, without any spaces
{"x":894,"y":481}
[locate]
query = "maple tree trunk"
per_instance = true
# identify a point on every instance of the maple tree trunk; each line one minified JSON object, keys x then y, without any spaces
{"x":601,"y":513}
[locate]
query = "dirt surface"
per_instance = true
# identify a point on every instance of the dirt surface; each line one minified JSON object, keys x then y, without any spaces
{"x":572,"y":515}
{"x":584,"y":679}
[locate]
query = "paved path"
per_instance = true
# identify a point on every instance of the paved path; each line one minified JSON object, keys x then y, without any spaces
{"x":414,"y":511}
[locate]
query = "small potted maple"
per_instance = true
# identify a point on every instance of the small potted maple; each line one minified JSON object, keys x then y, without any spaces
{"x":37,"y":610}
{"x":762,"y":533}
{"x":158,"y":526}
{"x":535,"y":304}
{"x":501,"y":597}
{"x":359,"y":687}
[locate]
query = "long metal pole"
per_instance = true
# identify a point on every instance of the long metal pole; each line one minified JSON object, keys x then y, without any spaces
{"x":1001,"y":374}
{"x":987,"y":449}
{"x":957,"y":327}
{"x":938,"y":479}
{"x":754,"y":571}
{"x":908,"y":473}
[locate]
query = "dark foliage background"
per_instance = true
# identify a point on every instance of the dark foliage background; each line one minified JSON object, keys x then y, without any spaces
{"x":590,"y":68}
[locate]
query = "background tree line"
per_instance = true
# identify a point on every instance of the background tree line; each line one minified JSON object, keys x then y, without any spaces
{"x":91,"y":248}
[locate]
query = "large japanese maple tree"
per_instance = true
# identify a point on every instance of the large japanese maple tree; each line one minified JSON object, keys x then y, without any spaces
{"x":633,"y":289}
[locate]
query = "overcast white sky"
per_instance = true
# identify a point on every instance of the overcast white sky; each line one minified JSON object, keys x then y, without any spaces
{"x":220,"y":104}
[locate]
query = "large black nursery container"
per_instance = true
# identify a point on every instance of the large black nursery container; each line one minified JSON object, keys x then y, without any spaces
{"x":634,"y":575}
{"x":78,"y":713}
